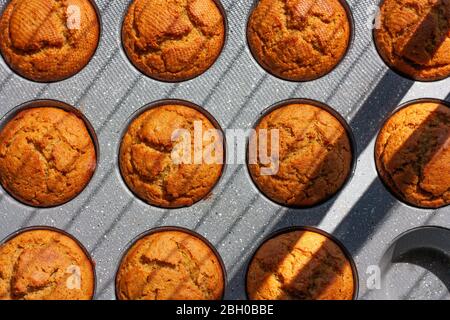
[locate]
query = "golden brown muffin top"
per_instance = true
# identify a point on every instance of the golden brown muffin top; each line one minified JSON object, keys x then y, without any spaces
{"x":300,"y":265}
{"x":45,"y":265}
{"x":48,"y":40}
{"x":173,"y":40}
{"x":315,"y":156}
{"x":299,"y":40}
{"x":413,"y":154}
{"x":413,"y":37}
{"x":170,"y":265}
{"x":147,"y":163}
{"x":47,"y":156}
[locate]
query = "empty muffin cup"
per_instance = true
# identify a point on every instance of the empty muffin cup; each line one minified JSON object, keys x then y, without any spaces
{"x":415,"y":266}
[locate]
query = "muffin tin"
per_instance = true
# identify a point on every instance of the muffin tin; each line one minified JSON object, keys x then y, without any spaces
{"x":236,"y":218}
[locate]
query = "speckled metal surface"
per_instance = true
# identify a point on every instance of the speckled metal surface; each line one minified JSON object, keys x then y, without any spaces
{"x":236,"y":218}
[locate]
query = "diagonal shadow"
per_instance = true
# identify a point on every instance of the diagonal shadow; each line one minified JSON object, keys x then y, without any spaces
{"x":376,"y":203}
{"x":383,"y":99}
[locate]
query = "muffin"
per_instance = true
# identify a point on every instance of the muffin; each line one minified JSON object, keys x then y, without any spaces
{"x":312,"y":158}
{"x":299,"y":40}
{"x":300,"y":265}
{"x":152,"y":162}
{"x":45,"y":265}
{"x":47,"y":156}
{"x":412,"y":154}
{"x":48,"y":40}
{"x":413,"y":37}
{"x":170,"y":265}
{"x":173,"y":40}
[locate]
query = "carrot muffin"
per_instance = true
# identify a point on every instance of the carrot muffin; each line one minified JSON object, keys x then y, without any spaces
{"x":300,"y":265}
{"x":170,"y":265}
{"x":48,"y":40}
{"x":45,"y":265}
{"x":299,"y":40}
{"x":165,"y":170}
{"x":173,"y":40}
{"x":313,"y":160}
{"x":413,"y":154}
{"x":413,"y":37}
{"x":47,"y":156}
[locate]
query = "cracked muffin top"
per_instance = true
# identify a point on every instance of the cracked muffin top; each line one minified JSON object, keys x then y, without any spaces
{"x":413,"y":37}
{"x":170,"y":265}
{"x":45,"y":265}
{"x":299,"y":40}
{"x":413,"y":154}
{"x":173,"y":40}
{"x":47,"y":156}
{"x":153,"y":162}
{"x":300,"y":265}
{"x":48,"y":40}
{"x":314,"y":155}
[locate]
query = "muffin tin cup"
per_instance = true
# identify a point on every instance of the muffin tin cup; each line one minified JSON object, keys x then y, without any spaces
{"x":100,"y":33}
{"x":335,"y":114}
{"x":166,"y":229}
{"x":351,"y":41}
{"x":385,"y":121}
{"x":181,"y":102}
{"x":64,"y":233}
{"x":429,"y":238}
{"x":225,"y":41}
{"x":41,"y":103}
{"x":315,"y":230}
{"x":395,"y":70}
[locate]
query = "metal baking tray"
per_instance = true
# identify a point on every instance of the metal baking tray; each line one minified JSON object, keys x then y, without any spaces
{"x":236,"y":218}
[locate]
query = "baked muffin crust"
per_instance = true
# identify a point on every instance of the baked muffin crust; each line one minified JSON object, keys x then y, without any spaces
{"x":413,"y":154}
{"x":300,"y":265}
{"x":170,"y":265}
{"x":315,"y":155}
{"x":48,"y":40}
{"x":146,"y":157}
{"x":173,"y":40}
{"x":299,"y":40}
{"x":47,"y":156}
{"x":413,"y":37}
{"x":45,"y":265}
